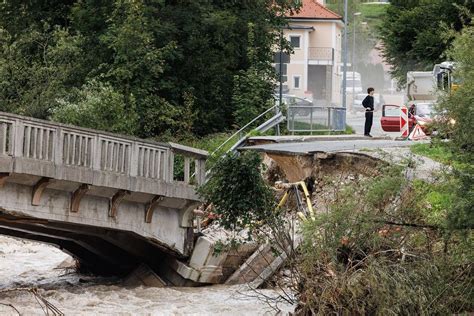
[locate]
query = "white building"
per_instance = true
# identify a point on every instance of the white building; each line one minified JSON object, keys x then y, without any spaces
{"x":315,"y":34}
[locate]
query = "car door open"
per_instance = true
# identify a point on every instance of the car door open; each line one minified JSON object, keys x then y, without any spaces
{"x":390,"y":120}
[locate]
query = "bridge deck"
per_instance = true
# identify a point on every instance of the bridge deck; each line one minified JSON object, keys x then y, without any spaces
{"x":75,"y":179}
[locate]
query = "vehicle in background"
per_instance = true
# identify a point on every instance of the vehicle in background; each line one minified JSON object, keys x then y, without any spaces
{"x":421,"y":86}
{"x":357,"y":102}
{"x":354,"y":83}
{"x":390,"y":120}
{"x":445,"y":80}
{"x":422,"y":92}
{"x":425,"y":85}
{"x":423,"y":114}
{"x":419,"y":113}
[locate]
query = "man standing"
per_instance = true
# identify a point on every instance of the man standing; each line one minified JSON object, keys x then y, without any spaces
{"x":368,"y":104}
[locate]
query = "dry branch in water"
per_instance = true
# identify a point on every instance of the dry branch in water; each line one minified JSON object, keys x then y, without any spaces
{"x":46,"y":306}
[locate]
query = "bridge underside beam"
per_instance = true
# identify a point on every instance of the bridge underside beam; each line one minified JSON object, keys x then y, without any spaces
{"x":89,"y":262}
{"x":108,"y":252}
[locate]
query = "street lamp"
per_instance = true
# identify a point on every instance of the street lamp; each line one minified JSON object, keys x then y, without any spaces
{"x":344,"y":56}
{"x":353,"y":53}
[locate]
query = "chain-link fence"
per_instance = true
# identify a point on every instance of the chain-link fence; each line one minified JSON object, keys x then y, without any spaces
{"x":315,"y":118}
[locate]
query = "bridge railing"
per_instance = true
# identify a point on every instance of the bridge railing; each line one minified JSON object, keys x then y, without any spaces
{"x":64,"y":145}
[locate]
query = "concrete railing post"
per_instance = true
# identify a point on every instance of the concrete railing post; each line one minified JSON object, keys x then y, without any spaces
{"x":170,"y":172}
{"x":187,"y":168}
{"x":200,"y":171}
{"x":96,"y":156}
{"x":58,"y":146}
{"x":18,"y":131}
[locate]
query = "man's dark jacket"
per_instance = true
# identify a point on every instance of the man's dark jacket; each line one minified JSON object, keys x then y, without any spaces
{"x":368,"y":103}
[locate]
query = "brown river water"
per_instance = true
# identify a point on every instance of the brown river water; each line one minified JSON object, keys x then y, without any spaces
{"x":26,"y":264}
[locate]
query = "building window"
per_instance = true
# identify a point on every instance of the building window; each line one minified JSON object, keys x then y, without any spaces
{"x":295,"y":41}
{"x":296,"y":82}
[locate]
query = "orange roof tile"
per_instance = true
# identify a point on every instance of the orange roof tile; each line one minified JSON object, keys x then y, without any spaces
{"x":311,"y":9}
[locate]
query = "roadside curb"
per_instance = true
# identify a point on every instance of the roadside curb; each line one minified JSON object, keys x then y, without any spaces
{"x":259,"y":140}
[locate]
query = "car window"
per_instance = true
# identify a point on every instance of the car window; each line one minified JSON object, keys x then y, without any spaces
{"x":392,"y":110}
{"x":424,"y":109}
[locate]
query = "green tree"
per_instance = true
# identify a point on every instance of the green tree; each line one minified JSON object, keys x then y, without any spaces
{"x":137,"y":62}
{"x":253,"y":87}
{"x":97,"y":105}
{"x":37,"y":66}
{"x":416,"y":34}
{"x":238,"y":192}
{"x":177,"y":60}
{"x":459,"y":106}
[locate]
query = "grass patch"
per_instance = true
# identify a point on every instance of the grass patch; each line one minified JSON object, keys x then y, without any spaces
{"x":209,"y":142}
{"x":373,"y":14}
{"x":436,"y":151}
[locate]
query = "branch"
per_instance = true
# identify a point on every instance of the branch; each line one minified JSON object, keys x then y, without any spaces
{"x":407,"y":224}
{"x":10,"y":305}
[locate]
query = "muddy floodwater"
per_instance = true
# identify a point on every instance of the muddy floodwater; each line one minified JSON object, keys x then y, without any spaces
{"x":25,"y":264}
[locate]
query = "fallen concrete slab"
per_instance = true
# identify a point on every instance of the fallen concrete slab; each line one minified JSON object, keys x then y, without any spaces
{"x":143,"y":275}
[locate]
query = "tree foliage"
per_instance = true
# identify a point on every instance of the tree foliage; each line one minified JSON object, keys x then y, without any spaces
{"x":166,"y":59}
{"x":97,"y":105}
{"x":238,"y":192}
{"x":417,"y":33}
{"x":252,"y":87}
{"x":459,"y":106}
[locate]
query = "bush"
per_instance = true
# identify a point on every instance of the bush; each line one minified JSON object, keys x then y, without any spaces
{"x":236,"y":188}
{"x":97,"y":105}
{"x":384,"y":248}
{"x":459,"y":106}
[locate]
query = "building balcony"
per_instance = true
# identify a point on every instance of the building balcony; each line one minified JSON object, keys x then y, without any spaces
{"x":321,"y":55}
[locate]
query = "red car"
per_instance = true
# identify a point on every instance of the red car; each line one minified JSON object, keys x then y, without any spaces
{"x":420,"y":113}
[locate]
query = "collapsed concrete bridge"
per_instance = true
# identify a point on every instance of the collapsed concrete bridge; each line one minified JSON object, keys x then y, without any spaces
{"x":111,"y":201}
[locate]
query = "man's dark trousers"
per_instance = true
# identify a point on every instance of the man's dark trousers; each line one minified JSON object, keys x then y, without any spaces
{"x":369,"y":117}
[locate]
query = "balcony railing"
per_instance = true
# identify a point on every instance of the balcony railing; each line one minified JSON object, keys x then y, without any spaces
{"x":321,"y":53}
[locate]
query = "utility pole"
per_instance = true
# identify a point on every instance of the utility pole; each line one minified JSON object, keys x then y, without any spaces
{"x":353,"y":54}
{"x":344,"y":56}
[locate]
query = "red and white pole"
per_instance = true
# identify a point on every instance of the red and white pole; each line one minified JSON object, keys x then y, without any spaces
{"x":404,"y":121}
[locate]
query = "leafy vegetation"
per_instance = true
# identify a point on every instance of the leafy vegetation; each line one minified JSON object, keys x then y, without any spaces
{"x":239,"y":194}
{"x":373,"y":14}
{"x":173,"y":67}
{"x":387,"y":252}
{"x":437,"y":151}
{"x":416,"y":34}
{"x":459,"y":106}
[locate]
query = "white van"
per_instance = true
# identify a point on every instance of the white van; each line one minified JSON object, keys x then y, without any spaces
{"x":354,"y":83}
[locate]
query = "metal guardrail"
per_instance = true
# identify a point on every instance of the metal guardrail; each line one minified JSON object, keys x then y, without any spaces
{"x":69,"y":146}
{"x":241,"y":132}
{"x":302,"y":118}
